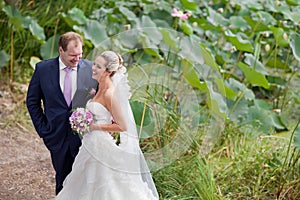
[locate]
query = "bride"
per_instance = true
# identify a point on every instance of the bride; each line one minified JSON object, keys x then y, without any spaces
{"x":105,"y":169}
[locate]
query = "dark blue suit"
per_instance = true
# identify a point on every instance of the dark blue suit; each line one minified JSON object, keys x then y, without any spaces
{"x":50,"y":113}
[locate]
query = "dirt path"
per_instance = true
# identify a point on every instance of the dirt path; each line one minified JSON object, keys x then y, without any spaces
{"x":26,"y":172}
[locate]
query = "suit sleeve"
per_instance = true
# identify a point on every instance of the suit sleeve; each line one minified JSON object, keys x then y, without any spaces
{"x":34,"y":104}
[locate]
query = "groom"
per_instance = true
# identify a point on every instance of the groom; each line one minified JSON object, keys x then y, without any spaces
{"x":52,"y":94}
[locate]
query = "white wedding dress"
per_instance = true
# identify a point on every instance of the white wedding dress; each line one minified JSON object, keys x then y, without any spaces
{"x":104,"y":170}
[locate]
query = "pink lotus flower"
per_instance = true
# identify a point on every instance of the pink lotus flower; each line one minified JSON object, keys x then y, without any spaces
{"x":180,"y":14}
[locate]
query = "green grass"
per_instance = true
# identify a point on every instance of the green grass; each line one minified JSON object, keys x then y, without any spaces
{"x":241,"y":166}
{"x":190,"y":177}
{"x":251,"y":167}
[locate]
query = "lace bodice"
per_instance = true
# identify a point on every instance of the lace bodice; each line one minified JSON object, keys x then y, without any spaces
{"x":101,"y":114}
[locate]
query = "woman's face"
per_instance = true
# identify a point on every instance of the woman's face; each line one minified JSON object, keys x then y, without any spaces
{"x":98,"y":68}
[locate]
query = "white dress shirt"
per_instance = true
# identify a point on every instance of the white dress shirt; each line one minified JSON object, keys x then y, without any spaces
{"x":62,"y":74}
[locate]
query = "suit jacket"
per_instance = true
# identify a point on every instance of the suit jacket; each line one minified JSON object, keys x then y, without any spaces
{"x":47,"y":106}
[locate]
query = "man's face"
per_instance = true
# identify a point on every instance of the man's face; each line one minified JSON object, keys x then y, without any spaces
{"x":72,"y":55}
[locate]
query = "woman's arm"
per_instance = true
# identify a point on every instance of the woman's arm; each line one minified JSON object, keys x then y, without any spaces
{"x":106,"y":127}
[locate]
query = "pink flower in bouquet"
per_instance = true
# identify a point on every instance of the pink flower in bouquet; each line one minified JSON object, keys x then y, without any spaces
{"x":80,"y":120}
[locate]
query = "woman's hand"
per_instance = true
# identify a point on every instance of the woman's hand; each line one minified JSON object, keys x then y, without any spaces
{"x":93,"y":127}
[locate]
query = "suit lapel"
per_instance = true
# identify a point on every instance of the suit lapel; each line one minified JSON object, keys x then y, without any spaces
{"x":82,"y":76}
{"x":84,"y":84}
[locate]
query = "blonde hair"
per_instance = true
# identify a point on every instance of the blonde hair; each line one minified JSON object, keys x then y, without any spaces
{"x":114,"y":61}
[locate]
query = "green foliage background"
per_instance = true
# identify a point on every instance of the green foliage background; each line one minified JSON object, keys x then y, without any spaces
{"x":241,"y":58}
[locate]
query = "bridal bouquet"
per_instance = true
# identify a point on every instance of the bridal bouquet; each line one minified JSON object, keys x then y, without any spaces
{"x":80,"y":120}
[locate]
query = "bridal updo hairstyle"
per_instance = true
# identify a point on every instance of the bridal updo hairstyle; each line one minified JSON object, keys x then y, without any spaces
{"x":114,"y":61}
